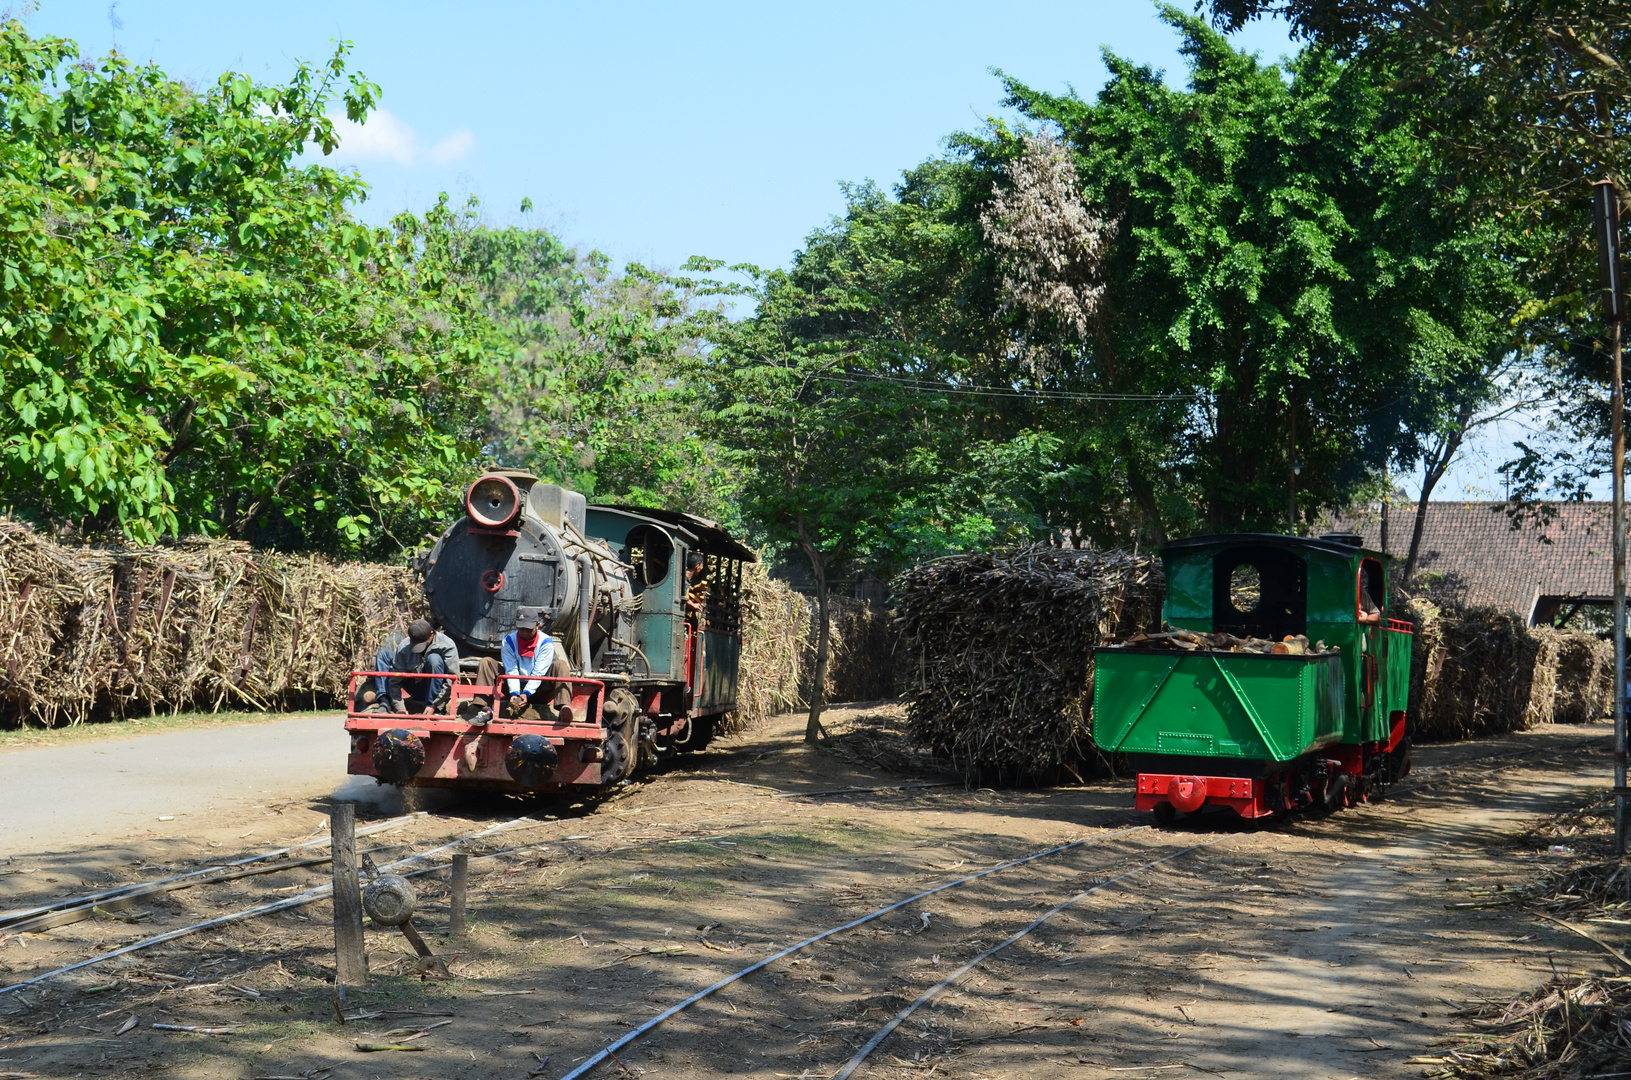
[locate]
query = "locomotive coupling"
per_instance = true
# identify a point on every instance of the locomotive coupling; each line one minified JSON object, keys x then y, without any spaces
{"x":389,"y":900}
{"x":1187,"y":793}
{"x":531,"y":760}
{"x":398,"y":756}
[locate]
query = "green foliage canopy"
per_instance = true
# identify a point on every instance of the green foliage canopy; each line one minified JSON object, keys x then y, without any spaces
{"x":196,"y":335}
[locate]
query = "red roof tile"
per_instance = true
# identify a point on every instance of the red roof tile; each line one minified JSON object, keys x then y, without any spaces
{"x":1471,"y":553}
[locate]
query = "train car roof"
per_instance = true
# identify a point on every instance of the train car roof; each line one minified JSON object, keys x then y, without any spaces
{"x":710,"y":534}
{"x":1324,"y":545}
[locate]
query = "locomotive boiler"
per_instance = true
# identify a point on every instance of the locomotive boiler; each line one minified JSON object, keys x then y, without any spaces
{"x":1314,"y":727}
{"x":650,"y":676}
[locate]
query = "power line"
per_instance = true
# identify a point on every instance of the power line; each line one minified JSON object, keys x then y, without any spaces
{"x":927,"y":387}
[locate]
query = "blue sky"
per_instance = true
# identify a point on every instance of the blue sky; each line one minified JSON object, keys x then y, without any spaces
{"x":659,"y":131}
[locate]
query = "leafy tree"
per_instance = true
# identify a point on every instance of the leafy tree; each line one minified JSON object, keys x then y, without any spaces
{"x":198,"y":336}
{"x":829,"y":454}
{"x":595,"y":386}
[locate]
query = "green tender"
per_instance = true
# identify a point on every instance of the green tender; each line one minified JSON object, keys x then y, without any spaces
{"x":1216,"y":704}
{"x":1252,"y":706}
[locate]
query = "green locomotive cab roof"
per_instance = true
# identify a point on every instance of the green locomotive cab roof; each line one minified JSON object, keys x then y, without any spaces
{"x":1329,"y":544}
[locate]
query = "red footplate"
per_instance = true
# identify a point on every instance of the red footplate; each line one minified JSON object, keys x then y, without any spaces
{"x":1191,"y":792}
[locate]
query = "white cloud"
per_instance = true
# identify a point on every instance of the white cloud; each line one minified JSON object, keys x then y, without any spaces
{"x":454,"y":147}
{"x":385,"y":137}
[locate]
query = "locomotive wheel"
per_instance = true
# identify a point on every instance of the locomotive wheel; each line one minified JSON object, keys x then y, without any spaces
{"x":618,"y":756}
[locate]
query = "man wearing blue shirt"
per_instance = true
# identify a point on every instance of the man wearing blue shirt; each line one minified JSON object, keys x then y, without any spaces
{"x":528,"y":654}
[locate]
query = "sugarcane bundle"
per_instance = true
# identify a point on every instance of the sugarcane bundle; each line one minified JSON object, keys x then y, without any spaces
{"x":1196,"y":641}
{"x":1574,"y":677}
{"x":778,"y":647}
{"x":116,"y":628}
{"x":867,"y":661}
{"x":1001,"y":649}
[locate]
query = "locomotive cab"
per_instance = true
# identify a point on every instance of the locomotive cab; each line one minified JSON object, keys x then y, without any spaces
{"x":1258,"y":731}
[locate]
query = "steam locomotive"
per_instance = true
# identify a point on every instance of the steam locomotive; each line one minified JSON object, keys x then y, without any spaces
{"x":1263,"y":734}
{"x":650,"y":678}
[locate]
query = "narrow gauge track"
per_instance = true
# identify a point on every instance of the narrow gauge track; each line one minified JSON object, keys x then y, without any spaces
{"x":1103,"y":878}
{"x":72,"y":909}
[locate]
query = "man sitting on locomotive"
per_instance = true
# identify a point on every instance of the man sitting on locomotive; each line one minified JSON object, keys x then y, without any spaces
{"x":528,"y":650}
{"x":424,"y":651}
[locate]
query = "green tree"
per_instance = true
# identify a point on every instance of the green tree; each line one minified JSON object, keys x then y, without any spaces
{"x":595,"y":386}
{"x":828,"y":452}
{"x":198,"y":335}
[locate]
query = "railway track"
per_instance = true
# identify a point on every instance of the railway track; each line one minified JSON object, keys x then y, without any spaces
{"x":76,"y":908}
{"x":1101,"y":878}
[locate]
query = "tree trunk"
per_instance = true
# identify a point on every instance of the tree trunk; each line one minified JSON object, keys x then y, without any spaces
{"x":1430,"y":477}
{"x":813,"y":731}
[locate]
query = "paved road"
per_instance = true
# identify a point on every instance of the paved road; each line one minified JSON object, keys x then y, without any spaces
{"x":87,"y":793}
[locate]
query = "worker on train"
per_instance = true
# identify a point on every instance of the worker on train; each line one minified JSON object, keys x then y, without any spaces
{"x":423,"y":650}
{"x":696,"y":581}
{"x":528,"y":653}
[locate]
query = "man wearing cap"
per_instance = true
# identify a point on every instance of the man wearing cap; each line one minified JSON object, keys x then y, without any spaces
{"x":424,"y":651}
{"x":528,"y":653}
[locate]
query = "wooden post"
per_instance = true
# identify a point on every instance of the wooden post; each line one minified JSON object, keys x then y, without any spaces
{"x":1606,"y":202}
{"x":458,"y":885}
{"x":350,"y":961}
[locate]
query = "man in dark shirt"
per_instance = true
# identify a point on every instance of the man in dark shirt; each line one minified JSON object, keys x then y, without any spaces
{"x":425,"y":650}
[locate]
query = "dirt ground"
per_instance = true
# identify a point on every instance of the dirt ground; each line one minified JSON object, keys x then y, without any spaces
{"x":1312,"y":948}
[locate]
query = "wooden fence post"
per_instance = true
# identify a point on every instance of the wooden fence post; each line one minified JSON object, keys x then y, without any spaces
{"x":350,"y":961}
{"x":458,"y":885}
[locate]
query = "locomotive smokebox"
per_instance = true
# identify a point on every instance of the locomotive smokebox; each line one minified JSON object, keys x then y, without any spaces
{"x":531,"y":760}
{"x":398,"y":756}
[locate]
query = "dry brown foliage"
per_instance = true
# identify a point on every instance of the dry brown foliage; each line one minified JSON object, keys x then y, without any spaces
{"x":1478,"y":671}
{"x":118,"y":629}
{"x":1001,"y":650}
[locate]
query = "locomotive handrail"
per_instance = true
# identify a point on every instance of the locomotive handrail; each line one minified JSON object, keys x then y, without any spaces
{"x":470,"y":690}
{"x":1400,"y":626}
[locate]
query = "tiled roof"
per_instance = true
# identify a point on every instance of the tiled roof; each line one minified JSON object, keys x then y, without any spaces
{"x":1475,"y":556}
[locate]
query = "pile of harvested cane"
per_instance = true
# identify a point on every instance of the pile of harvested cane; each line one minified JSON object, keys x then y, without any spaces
{"x":1571,"y":1029}
{"x":1478,"y":671}
{"x":1195,"y":641}
{"x":778,"y":650}
{"x":118,"y":629}
{"x":1574,"y":1026}
{"x":1001,"y":651}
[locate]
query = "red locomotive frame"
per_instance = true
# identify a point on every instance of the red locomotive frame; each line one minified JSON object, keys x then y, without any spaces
{"x":447,"y":737}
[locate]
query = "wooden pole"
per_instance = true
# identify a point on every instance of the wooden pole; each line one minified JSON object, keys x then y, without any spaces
{"x":458,"y":885}
{"x":1618,"y":405}
{"x":350,"y":959}
{"x":1606,"y":203}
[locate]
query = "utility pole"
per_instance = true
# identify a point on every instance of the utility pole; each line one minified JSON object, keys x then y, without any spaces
{"x":1606,"y":201}
{"x":1291,"y":516}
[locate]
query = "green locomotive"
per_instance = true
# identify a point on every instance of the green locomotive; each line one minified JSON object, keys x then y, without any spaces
{"x":1317,"y":728}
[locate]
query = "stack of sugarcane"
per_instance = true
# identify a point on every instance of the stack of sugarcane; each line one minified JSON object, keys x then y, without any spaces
{"x":778,"y":650}
{"x":114,"y":629}
{"x":1478,"y":671}
{"x":1001,"y":651}
{"x":1195,"y":641}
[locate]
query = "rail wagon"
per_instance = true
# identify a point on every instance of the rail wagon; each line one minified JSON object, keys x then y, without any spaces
{"x":650,"y":678}
{"x":1263,"y":733}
